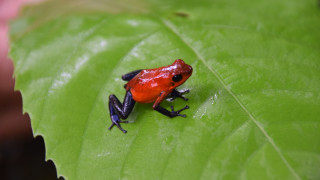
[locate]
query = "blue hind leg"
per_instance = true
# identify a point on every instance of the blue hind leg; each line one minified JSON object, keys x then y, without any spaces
{"x":118,"y":110}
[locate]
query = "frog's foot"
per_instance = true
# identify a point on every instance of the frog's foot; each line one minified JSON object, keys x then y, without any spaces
{"x":177,"y":113}
{"x":179,"y":94}
{"x":116,"y":121}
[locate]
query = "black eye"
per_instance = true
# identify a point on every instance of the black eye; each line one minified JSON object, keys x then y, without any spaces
{"x":177,"y":78}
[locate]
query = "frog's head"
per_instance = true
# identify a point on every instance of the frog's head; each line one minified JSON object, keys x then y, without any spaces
{"x":180,"y":72}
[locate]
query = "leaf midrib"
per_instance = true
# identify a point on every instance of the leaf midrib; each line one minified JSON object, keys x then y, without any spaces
{"x":172,"y":29}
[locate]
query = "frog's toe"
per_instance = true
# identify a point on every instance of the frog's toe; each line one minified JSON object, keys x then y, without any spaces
{"x":177,"y":113}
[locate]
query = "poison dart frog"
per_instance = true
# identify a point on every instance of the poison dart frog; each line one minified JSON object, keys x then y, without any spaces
{"x":150,"y":85}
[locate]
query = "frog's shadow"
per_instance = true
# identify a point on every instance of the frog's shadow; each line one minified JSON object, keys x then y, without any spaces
{"x":135,"y":115}
{"x":195,"y":95}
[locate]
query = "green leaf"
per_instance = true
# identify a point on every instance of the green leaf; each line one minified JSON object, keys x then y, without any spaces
{"x":254,"y":94}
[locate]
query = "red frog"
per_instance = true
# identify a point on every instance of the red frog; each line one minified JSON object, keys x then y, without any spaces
{"x":150,"y":85}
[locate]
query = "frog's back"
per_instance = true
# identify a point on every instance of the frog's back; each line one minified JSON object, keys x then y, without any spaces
{"x":146,"y":86}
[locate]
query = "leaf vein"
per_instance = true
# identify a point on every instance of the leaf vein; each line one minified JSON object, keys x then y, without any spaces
{"x":130,"y":147}
{"x":95,"y":101}
{"x":59,"y":73}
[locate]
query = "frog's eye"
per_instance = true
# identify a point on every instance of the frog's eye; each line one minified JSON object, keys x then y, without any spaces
{"x":177,"y":78}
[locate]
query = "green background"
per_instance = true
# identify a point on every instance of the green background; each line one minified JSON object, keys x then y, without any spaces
{"x":254,"y":93}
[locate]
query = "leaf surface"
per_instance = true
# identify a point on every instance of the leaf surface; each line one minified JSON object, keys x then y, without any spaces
{"x":254,"y":92}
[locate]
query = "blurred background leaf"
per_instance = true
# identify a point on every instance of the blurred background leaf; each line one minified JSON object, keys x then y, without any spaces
{"x":254,"y":92}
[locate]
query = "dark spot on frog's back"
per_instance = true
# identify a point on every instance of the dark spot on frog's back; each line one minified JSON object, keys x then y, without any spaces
{"x":181,"y":14}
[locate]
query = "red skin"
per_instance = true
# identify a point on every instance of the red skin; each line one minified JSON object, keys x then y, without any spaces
{"x":154,"y":85}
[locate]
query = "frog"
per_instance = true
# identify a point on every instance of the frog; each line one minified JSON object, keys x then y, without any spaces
{"x":150,"y":86}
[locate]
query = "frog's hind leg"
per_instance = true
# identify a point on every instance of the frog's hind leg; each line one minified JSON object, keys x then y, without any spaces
{"x":118,"y":110}
{"x":115,"y":119}
{"x":130,"y":75}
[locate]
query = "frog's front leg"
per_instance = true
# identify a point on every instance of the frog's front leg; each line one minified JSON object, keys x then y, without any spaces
{"x":156,"y":106}
{"x":118,"y":110}
{"x":175,"y":93}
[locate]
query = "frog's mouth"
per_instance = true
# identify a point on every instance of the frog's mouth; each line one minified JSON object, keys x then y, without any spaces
{"x":190,"y":70}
